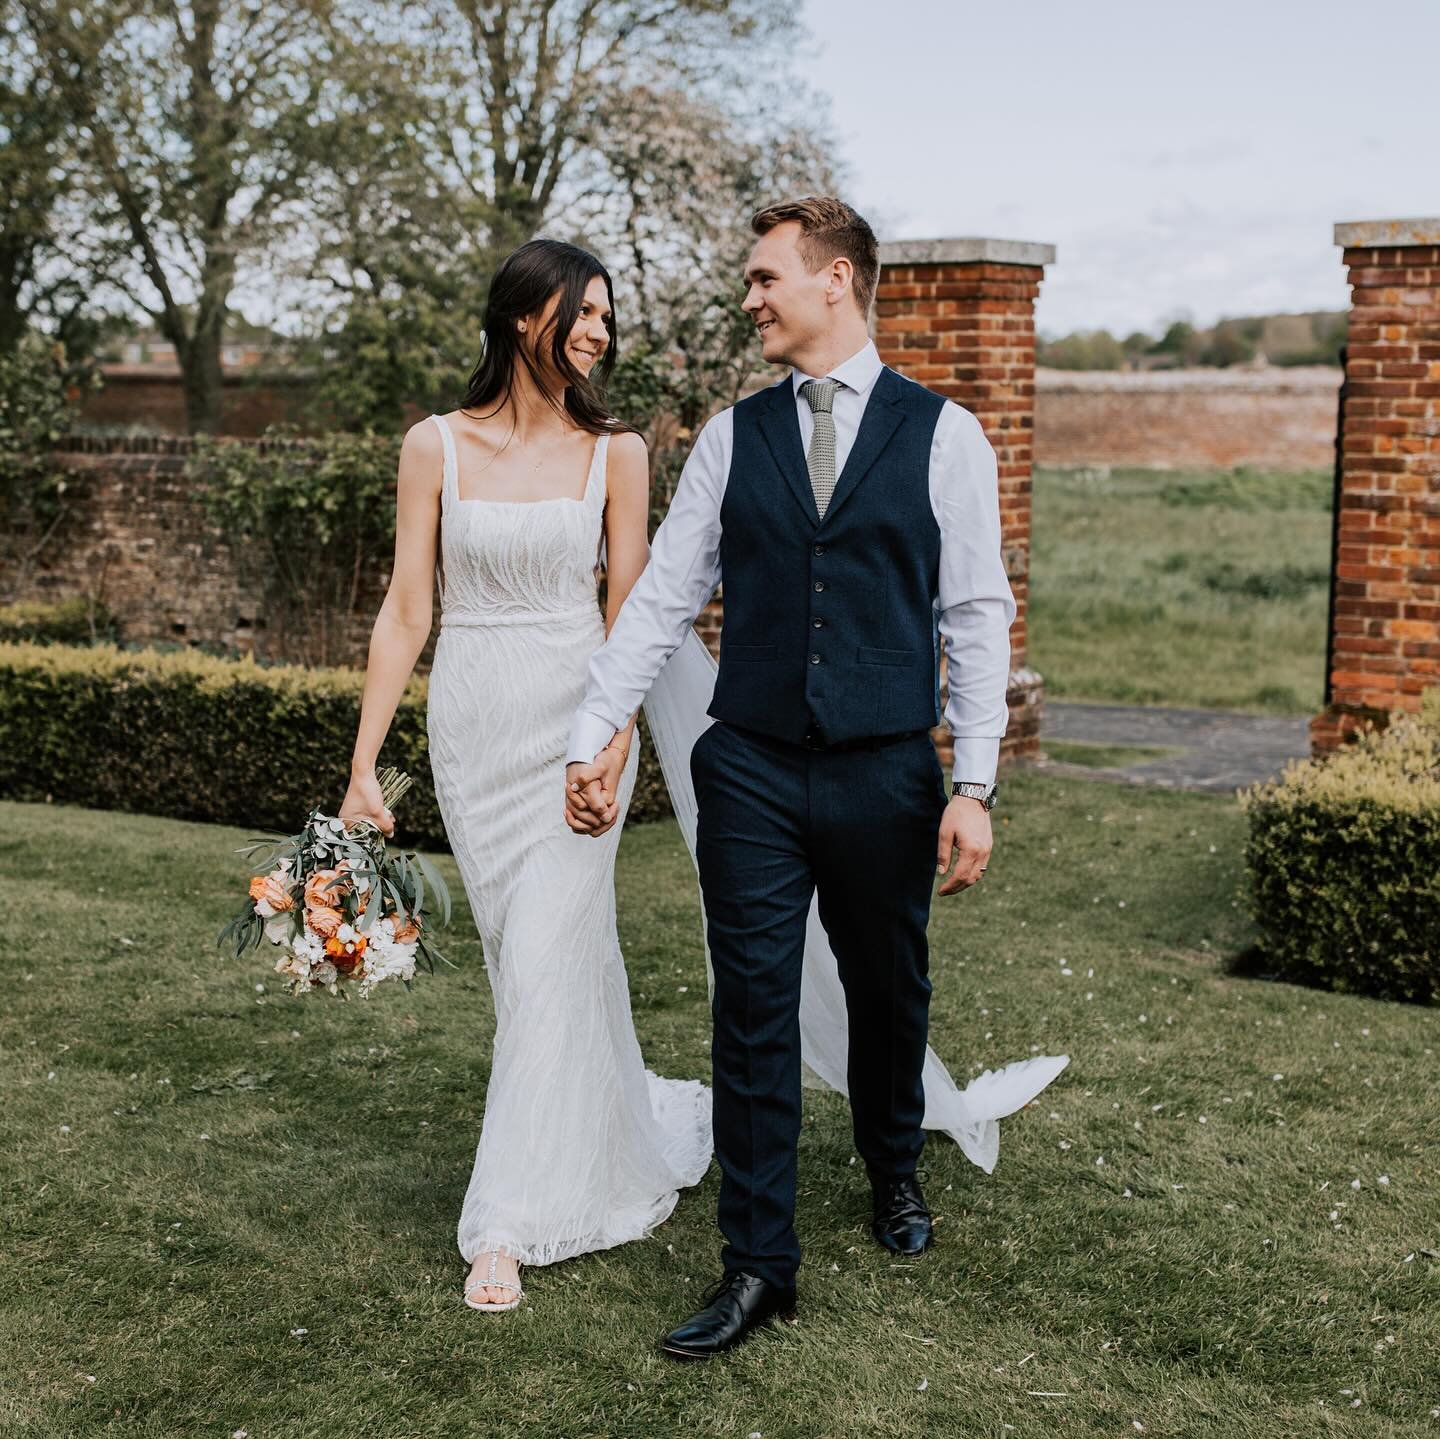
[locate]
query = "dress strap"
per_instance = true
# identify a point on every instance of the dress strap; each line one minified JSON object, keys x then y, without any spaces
{"x":450,"y":471}
{"x":595,"y":480}
{"x":449,"y":488}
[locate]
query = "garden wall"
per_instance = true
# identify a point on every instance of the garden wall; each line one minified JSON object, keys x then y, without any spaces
{"x":1270,"y":419}
{"x":135,"y":537}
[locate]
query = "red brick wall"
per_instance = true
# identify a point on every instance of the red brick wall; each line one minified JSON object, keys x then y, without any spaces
{"x":136,"y":538}
{"x":1272,"y":419}
{"x":149,"y":398}
{"x":1386,"y":632}
{"x":966,"y":329}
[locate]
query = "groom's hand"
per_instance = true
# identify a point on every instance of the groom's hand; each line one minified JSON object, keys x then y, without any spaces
{"x":965,"y":841}
{"x":591,"y":806}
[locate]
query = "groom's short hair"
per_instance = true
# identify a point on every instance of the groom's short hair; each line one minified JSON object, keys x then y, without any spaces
{"x":829,"y":228}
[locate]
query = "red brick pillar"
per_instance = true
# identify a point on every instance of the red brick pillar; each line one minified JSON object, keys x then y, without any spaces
{"x":959,"y":316}
{"x":1385,"y":622}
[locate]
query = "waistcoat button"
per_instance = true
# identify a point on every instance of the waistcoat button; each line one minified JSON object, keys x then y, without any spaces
{"x":814,"y":659}
{"x":819,"y":585}
{"x":819,"y":549}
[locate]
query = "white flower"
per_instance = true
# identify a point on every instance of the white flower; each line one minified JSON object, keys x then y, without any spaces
{"x":346,"y":934}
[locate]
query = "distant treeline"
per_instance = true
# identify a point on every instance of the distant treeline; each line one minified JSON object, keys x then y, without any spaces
{"x":1308,"y":339}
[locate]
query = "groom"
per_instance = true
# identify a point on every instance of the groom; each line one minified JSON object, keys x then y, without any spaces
{"x":853,"y":516}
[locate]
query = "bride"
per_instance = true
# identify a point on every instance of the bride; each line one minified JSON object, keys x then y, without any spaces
{"x":581,"y":1148}
{"x":509,"y":501}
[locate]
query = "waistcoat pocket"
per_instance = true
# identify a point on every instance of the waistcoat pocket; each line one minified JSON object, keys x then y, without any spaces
{"x":867,"y":656}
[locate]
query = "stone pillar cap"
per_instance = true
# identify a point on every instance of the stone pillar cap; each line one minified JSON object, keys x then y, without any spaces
{"x":1361,"y":234}
{"x":969,"y":250}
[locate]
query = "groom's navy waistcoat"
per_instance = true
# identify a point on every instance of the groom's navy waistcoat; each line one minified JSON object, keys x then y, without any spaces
{"x":831,"y":622}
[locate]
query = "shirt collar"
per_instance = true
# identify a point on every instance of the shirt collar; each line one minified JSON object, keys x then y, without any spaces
{"x":858,"y":373}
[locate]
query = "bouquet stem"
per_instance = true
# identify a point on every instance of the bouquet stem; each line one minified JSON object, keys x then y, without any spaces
{"x":393,"y":785}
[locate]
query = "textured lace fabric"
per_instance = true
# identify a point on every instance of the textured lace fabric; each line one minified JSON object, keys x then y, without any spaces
{"x":581,"y":1147}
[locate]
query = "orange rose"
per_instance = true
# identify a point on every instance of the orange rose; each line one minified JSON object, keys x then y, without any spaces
{"x":346,"y":957}
{"x":324,"y":887}
{"x":408,"y":933}
{"x":273,"y":890}
{"x":324,"y":920}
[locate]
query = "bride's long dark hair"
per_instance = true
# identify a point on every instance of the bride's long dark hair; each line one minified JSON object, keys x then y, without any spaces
{"x":520,"y":290}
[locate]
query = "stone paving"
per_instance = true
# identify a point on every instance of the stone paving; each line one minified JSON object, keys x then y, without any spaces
{"x":1216,"y":750}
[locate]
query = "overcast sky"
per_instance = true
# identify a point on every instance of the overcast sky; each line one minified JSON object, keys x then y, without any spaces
{"x":1183,"y":157}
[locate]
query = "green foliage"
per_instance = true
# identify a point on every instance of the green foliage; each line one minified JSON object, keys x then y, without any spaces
{"x":37,"y":389}
{"x":1083,"y":350}
{"x":304,"y":519}
{"x":64,"y":622}
{"x":191,"y":736}
{"x":34,"y":411}
{"x":1306,"y":339}
{"x":1343,"y":858}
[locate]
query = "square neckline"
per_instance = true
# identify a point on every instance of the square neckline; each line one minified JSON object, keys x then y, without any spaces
{"x":452,"y":464}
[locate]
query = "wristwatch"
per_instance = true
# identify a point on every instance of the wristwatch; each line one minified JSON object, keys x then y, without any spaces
{"x":984,"y":793}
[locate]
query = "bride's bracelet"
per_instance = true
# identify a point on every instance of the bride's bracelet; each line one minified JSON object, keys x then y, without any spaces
{"x":623,"y":753}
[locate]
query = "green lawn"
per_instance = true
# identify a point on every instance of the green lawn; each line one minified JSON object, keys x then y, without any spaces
{"x":1204,"y":588}
{"x":228,"y":1210}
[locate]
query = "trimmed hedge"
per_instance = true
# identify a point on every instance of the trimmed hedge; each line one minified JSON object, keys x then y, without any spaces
{"x":190,"y":736}
{"x":58,"y":622}
{"x":1343,"y":863}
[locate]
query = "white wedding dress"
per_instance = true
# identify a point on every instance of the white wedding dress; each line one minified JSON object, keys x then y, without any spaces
{"x":582,"y":1147}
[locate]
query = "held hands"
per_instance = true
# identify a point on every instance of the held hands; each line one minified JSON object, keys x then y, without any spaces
{"x":591,"y":793}
{"x":363,"y":800}
{"x":965,"y":841}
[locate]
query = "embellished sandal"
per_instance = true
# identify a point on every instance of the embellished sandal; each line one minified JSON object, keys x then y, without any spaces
{"x":491,"y":1282}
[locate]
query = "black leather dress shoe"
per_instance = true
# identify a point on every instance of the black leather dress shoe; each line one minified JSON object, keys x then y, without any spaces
{"x":734,"y":1306}
{"x":902,"y":1222}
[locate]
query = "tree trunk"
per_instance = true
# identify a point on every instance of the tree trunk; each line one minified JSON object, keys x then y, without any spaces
{"x":202,"y":379}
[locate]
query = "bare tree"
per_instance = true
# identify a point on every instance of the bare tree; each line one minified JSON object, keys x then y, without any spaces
{"x":647,"y":131}
{"x":194,"y":121}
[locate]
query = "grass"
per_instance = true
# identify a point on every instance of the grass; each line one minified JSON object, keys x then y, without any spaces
{"x":229,"y":1210}
{"x":1204,"y":588}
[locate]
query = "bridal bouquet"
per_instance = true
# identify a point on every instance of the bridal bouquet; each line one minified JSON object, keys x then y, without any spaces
{"x":345,"y":911}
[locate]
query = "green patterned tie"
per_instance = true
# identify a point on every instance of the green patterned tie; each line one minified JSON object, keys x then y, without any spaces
{"x":820,"y":395}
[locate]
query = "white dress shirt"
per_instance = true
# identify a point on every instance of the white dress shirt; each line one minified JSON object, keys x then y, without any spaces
{"x":975,"y":606}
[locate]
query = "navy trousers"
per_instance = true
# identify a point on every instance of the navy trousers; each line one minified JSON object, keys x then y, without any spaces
{"x":777,"y":824}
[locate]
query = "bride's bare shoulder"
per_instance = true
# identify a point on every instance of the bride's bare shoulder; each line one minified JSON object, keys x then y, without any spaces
{"x":422,"y":438}
{"x":422,"y":457}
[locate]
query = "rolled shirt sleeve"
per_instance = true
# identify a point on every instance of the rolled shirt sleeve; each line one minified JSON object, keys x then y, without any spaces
{"x":681,"y":576}
{"x":975,"y":606}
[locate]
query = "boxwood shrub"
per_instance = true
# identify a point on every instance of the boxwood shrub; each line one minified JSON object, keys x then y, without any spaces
{"x":57,"y":622}
{"x":191,"y":736}
{"x":1343,"y":863}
